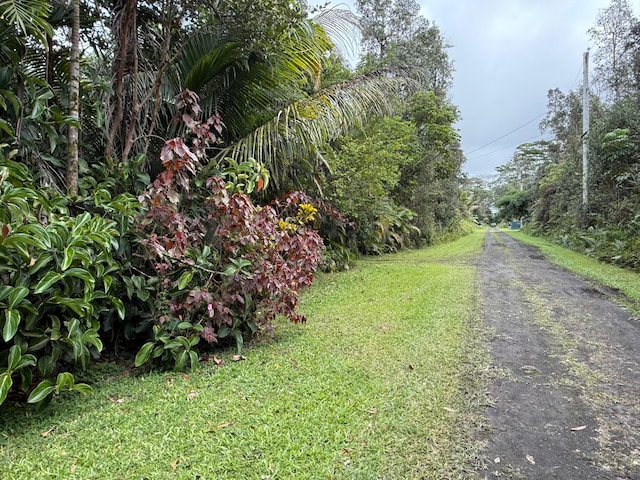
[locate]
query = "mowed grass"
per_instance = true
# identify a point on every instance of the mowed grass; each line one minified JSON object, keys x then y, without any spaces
{"x":624,"y":280}
{"x":383,"y":382}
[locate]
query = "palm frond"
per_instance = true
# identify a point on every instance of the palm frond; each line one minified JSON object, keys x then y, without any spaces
{"x":299,"y":130}
{"x":30,"y":16}
{"x":343,"y":28}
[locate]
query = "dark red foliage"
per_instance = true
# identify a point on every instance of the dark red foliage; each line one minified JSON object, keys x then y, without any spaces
{"x":245,"y":264}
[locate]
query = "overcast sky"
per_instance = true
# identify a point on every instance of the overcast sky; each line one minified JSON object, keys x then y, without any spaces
{"x":507,"y":55}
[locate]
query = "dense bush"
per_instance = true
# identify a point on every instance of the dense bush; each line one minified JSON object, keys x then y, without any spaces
{"x":56,"y":273}
{"x":226,"y":267}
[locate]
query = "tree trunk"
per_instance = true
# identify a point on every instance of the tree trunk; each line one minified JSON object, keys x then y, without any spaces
{"x":124,"y":31}
{"x":74,"y":100}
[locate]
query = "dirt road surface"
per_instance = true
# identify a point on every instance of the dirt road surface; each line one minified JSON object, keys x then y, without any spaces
{"x":565,"y":361}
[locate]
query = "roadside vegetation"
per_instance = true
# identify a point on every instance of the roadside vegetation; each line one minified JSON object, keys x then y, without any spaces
{"x":542,"y":186}
{"x":382,"y":382}
{"x":173,"y":174}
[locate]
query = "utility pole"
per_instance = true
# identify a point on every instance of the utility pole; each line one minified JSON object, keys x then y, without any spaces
{"x":585,"y":132}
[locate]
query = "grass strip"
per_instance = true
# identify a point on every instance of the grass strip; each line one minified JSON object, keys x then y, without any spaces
{"x":381,"y":383}
{"x":624,"y":280}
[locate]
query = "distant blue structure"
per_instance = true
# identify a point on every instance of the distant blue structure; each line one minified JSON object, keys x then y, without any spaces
{"x":514,"y":225}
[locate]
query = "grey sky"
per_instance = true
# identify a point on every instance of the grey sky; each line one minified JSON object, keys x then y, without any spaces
{"x":507,"y":55}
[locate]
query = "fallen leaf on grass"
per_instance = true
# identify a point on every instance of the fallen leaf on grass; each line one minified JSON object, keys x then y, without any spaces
{"x":218,"y":361}
{"x":46,"y":434}
{"x":221,"y":426}
{"x":174,"y":464}
{"x":373,"y":411}
{"x":237,"y":358}
{"x":577,"y":429}
{"x":496,"y":460}
{"x":192,"y":394}
{"x":116,"y":399}
{"x":410,"y":367}
{"x":531,"y":460}
{"x":450,"y":410}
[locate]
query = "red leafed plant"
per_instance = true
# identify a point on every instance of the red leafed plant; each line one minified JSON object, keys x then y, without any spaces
{"x":227,"y":267}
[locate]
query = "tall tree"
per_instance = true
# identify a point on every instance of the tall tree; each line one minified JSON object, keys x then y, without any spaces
{"x":396,"y":36}
{"x":613,"y":35}
{"x":74,"y":100}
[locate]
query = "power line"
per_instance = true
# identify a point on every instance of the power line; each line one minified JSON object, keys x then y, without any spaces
{"x":505,"y":148}
{"x":506,"y":134}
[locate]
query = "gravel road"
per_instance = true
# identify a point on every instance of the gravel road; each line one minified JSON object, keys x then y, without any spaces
{"x":565,"y":368}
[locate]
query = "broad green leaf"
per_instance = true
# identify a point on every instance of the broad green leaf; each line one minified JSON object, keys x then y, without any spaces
{"x":8,"y":129}
{"x":81,"y":220}
{"x":18,"y":240}
{"x":82,"y":388}
{"x":49,"y":279}
{"x":65,"y":381}
{"x":42,"y":261}
{"x":107,"y":280}
{"x":78,"y":306}
{"x":119,"y":306}
{"x":36,"y":230}
{"x":239,"y":340}
{"x":42,"y":391}
{"x":223,"y":331}
{"x":171,"y":345}
{"x":185,"y":278}
{"x":5,"y":385}
{"x":69,"y":253}
{"x":80,"y":273}
{"x":159,"y":350}
{"x":46,"y":365}
{"x":193,"y":355}
{"x":73,"y":326}
{"x":27,"y":360}
{"x":143,"y":354}
{"x":15,"y":354}
{"x":5,"y":290}
{"x":17,"y":295}
{"x":194,"y":340}
{"x":11,"y":323}
{"x":181,"y":361}
{"x":184,"y":326}
{"x":26,"y":376}
{"x":91,"y":337}
{"x":143,"y":295}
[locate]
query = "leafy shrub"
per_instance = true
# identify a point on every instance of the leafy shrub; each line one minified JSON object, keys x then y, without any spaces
{"x":619,"y":246}
{"x":226,"y":267}
{"x":131,"y":284}
{"x":56,"y":271}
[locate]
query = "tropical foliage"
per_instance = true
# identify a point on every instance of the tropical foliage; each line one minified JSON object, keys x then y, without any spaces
{"x":173,"y":173}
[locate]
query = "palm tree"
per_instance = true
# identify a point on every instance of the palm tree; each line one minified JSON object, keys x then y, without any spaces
{"x":274,"y":108}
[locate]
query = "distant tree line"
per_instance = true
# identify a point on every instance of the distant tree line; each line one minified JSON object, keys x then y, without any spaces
{"x":543,"y":181}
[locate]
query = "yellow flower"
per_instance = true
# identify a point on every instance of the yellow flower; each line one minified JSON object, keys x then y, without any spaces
{"x":306,"y":212}
{"x":285,"y":226}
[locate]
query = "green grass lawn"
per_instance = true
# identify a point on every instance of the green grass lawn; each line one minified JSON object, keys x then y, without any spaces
{"x":383,"y":382}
